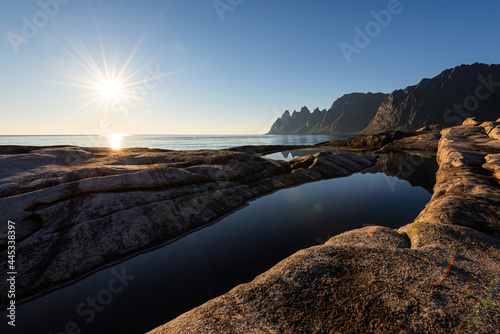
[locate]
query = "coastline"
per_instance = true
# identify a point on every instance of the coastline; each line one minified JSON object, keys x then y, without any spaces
{"x":236,"y":168}
{"x":69,"y":201}
{"x":438,"y":274}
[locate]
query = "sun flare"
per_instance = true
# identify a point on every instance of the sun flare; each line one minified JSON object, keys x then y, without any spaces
{"x":110,"y":81}
{"x":110,"y":89}
{"x":115,"y":140}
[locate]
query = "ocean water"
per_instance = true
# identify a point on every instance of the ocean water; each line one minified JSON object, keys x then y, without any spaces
{"x":169,"y":142}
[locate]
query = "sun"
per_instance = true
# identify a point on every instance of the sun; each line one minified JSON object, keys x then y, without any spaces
{"x":110,"y":89}
{"x":110,"y":81}
{"x":115,"y":140}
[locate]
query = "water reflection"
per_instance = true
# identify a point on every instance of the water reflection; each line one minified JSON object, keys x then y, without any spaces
{"x":115,"y":140}
{"x":419,"y":171}
{"x":209,"y":262}
{"x":289,"y":155}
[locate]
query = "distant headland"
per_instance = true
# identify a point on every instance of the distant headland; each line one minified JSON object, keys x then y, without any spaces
{"x":447,"y":99}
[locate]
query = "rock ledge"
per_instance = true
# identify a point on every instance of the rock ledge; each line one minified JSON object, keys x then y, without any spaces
{"x":439,"y":274}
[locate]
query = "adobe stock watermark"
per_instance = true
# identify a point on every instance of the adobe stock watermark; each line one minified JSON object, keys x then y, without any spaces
{"x":87,"y":310}
{"x":223,"y":6}
{"x":31,"y":26}
{"x":372,"y":29}
{"x":471,"y":103}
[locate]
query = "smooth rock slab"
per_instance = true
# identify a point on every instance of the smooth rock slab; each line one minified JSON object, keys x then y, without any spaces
{"x":440,"y":274}
{"x":466,"y":192}
{"x":364,"y":281}
{"x":79,"y":209}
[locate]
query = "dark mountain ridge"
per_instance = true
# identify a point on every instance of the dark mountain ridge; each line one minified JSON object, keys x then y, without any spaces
{"x":350,"y":113}
{"x":449,"y":98}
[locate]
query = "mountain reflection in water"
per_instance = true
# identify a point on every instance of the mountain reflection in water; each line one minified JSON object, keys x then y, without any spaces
{"x":419,"y":171}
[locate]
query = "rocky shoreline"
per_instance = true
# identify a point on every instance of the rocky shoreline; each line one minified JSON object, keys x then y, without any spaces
{"x":78,"y":210}
{"x":439,"y":274}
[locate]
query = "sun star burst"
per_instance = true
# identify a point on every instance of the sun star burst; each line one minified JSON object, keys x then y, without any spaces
{"x":110,"y":89}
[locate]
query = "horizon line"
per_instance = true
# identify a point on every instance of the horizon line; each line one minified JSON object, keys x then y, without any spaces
{"x":145,"y":134}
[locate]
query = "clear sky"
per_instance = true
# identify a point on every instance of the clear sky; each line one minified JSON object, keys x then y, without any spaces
{"x":220,"y":67}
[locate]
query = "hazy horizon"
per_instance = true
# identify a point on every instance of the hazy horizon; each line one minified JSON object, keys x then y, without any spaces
{"x":75,"y":67}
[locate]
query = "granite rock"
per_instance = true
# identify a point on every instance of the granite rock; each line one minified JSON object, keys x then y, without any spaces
{"x":79,"y":209}
{"x":439,"y":274}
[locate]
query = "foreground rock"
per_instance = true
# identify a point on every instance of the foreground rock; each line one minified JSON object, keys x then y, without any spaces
{"x":79,"y":209}
{"x":466,"y":192}
{"x":439,"y":274}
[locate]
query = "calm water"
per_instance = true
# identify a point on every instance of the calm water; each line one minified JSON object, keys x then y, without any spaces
{"x":289,"y":155}
{"x":169,"y":142}
{"x":209,"y":262}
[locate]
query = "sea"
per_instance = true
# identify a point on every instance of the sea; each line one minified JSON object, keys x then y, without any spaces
{"x":169,"y":142}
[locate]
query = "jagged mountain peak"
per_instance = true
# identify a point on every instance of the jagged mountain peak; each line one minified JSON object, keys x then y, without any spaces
{"x":353,"y":112}
{"x":448,"y":98}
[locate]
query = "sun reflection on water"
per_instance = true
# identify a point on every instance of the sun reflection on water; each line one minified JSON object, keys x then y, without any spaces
{"x":115,"y":140}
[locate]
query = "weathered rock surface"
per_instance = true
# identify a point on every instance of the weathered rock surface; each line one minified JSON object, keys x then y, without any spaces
{"x":252,"y":149}
{"x":79,"y":209}
{"x":466,"y":193}
{"x":440,"y":274}
{"x":423,"y":142}
{"x":369,"y":142}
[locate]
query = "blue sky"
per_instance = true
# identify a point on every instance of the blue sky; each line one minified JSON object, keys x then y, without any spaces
{"x":192,"y":68}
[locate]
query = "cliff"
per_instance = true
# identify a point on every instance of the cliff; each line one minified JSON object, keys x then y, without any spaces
{"x":447,"y":99}
{"x":349,"y":114}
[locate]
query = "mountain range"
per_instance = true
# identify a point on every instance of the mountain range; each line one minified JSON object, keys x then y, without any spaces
{"x":448,"y":99}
